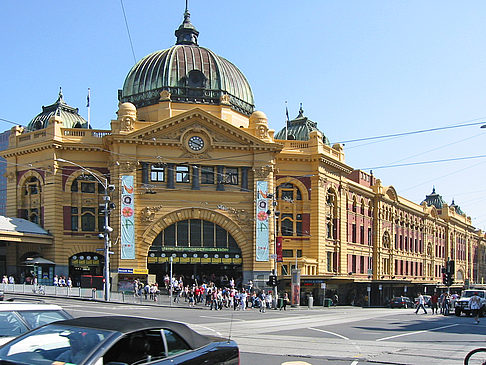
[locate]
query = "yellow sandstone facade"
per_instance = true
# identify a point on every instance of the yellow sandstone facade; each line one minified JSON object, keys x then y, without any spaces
{"x":196,"y":151}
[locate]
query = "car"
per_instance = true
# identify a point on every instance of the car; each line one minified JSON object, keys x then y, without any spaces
{"x":401,"y":302}
{"x":461,"y":304}
{"x":120,"y":340}
{"x":2,"y":295}
{"x":18,"y":318}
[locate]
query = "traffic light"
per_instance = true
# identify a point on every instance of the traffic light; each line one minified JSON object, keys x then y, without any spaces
{"x":447,"y":279}
{"x":272,"y":280}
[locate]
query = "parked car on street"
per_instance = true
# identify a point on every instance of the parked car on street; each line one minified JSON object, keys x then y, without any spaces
{"x":401,"y":302}
{"x":18,"y":318}
{"x":118,"y":340}
{"x":461,"y":305}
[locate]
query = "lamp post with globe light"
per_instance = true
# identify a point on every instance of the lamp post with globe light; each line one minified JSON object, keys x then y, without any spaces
{"x":107,"y":230}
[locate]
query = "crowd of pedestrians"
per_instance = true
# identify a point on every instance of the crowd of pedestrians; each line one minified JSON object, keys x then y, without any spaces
{"x":219,"y":297}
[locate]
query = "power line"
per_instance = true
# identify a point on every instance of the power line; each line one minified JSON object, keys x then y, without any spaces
{"x":422,"y":162}
{"x":413,"y":132}
{"x":128,"y":31}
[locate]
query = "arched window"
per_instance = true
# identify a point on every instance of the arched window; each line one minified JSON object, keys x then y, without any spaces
{"x":195,"y":233}
{"x":288,"y":192}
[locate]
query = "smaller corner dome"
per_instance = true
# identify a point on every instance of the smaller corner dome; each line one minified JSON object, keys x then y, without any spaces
{"x":70,"y":116}
{"x":434,"y":199}
{"x":299,"y":129}
{"x":457,"y":208}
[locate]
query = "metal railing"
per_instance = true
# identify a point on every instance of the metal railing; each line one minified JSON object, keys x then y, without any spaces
{"x":84,"y":293}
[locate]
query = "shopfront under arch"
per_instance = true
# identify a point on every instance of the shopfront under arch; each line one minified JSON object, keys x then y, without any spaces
{"x":200,"y":250}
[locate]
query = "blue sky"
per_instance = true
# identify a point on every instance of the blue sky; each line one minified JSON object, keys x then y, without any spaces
{"x":360,"y":68}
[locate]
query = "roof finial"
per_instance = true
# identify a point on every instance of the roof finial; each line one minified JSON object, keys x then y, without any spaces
{"x":60,"y":98}
{"x":301,"y":111}
{"x":187,"y":33}
{"x":433,"y":189}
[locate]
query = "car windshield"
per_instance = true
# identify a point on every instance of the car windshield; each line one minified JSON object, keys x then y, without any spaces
{"x":54,"y":343}
{"x":470,"y":293}
{"x":11,"y":325}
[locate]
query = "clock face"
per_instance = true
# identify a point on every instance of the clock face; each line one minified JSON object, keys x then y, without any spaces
{"x":195,"y":143}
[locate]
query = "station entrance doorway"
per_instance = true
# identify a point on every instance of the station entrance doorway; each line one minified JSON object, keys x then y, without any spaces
{"x":200,"y":251}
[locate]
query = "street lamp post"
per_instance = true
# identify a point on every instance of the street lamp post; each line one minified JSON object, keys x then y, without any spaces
{"x":107,"y":230}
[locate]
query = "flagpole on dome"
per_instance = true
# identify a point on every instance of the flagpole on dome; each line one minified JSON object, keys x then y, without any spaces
{"x":87,"y":105}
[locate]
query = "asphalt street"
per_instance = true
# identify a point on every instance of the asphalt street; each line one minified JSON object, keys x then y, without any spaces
{"x":339,"y":335}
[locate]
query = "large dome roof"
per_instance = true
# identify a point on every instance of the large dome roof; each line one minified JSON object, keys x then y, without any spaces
{"x":190,"y":73}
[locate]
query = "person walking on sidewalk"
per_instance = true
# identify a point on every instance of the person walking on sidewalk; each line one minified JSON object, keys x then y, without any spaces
{"x":421,"y":304}
{"x":475,"y":304}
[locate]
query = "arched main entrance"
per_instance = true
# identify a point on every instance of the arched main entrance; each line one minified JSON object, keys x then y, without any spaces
{"x":201,"y":251}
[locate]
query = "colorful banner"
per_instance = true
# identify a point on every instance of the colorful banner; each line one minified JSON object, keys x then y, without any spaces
{"x":262,"y":232}
{"x":127,"y":207}
{"x":278,"y":243}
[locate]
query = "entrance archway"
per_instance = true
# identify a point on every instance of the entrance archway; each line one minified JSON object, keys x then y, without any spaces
{"x":200,"y":251}
{"x":86,"y":269}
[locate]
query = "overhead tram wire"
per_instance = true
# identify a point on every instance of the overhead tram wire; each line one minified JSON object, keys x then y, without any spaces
{"x":128,"y":31}
{"x":414,"y":132}
{"x":422,"y":162}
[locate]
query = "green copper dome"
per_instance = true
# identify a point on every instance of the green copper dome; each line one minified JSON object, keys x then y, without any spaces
{"x":434,"y":199}
{"x":69,"y":116}
{"x":299,"y":129}
{"x":190,"y":73}
{"x":457,"y":208}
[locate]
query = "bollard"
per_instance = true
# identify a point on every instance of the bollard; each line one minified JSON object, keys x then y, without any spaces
{"x":310,"y":301}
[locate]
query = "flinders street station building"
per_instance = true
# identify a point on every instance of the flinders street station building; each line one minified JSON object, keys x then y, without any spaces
{"x":191,"y":176}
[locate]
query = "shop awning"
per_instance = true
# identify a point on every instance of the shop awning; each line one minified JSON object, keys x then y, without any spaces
{"x":38,"y":261}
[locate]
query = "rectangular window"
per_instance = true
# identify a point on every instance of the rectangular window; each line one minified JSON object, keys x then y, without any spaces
{"x":370,"y":238}
{"x":287,"y":224}
{"x":182,"y":174}
{"x":87,"y":187}
{"x":285,"y":270}
{"x":401,"y":242}
{"x":287,"y":253}
{"x":298,"y":225}
{"x":207,"y":175}
{"x":169,"y":236}
{"x":221,"y":237}
{"x":353,"y":232}
{"x":195,"y":226}
{"x":406,"y":243}
{"x":329,"y":261}
{"x":231,"y":176}
{"x":353,"y":263}
{"x":208,"y":234}
{"x":299,"y":253}
{"x":88,"y":219}
{"x":361,"y":235}
{"x":182,"y":233}
{"x":74,"y":219}
{"x":157,"y":172}
{"x":361,"y":265}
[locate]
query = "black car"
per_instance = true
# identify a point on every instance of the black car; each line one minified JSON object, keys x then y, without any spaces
{"x":118,"y":340}
{"x":401,"y":302}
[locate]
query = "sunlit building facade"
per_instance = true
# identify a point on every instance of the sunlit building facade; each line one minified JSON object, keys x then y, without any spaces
{"x":203,"y":184}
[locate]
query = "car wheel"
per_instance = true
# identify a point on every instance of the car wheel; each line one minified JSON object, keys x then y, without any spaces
{"x":457,"y":312}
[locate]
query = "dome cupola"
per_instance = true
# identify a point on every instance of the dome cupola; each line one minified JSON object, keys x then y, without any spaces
{"x":70,"y":116}
{"x":299,"y":129}
{"x":189,"y":73}
{"x":434,"y":199}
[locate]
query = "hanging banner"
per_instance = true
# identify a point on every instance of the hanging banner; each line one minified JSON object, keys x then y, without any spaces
{"x":295,"y":286}
{"x":261,"y":219}
{"x":278,"y":244}
{"x":127,"y":219}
